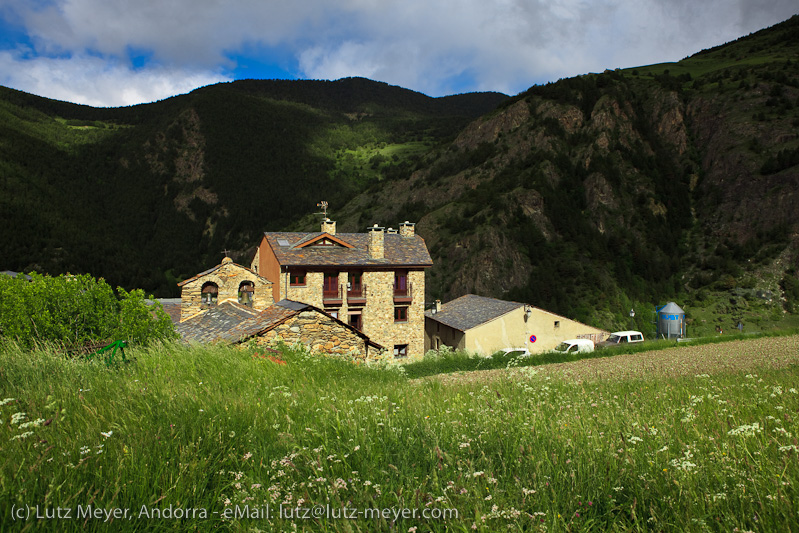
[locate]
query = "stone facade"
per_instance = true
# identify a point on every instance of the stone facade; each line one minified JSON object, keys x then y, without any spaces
{"x":389,"y":317}
{"x":228,"y":278}
{"x":320,"y":333}
{"x":377,"y":309}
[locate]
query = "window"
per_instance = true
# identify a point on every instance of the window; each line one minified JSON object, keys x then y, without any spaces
{"x":354,"y":287}
{"x":401,"y":283}
{"x":330,"y":285}
{"x":355,"y":321}
{"x":246,"y":293}
{"x":334,"y":314}
{"x":297,"y":278}
{"x":557,"y":323}
{"x":400,"y":350}
{"x":400,"y":314}
{"x":210,"y":294}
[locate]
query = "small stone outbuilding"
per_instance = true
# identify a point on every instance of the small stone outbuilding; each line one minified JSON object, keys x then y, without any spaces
{"x":286,"y":321}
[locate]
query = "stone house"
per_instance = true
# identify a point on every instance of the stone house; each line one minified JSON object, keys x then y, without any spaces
{"x":225,"y":282}
{"x":486,"y":325}
{"x":285,"y":321}
{"x":231,"y":303}
{"x":373,"y":281}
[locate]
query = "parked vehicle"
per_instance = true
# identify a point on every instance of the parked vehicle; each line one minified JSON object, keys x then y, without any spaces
{"x":575,"y":346}
{"x":622,"y":337}
{"x":515,"y":352}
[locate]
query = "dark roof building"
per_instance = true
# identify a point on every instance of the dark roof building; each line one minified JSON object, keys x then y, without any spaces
{"x":346,"y":250}
{"x":374,"y":280}
{"x":469,"y":311}
{"x":286,"y":320}
{"x":486,"y":325}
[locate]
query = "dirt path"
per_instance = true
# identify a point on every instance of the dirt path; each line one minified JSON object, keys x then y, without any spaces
{"x":728,"y":357}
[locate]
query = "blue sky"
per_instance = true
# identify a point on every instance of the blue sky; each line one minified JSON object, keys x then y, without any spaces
{"x":124,"y":52}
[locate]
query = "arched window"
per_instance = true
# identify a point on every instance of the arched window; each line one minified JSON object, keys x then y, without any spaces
{"x":210,"y":293}
{"x":246,"y":293}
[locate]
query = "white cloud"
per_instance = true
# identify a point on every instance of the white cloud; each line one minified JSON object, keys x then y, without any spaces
{"x":432,"y":47}
{"x":95,"y":81}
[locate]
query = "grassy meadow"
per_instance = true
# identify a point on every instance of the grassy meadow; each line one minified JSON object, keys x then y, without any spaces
{"x":202,"y":435}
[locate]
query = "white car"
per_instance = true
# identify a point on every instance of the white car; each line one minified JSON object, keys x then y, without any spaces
{"x":575,"y":346}
{"x":623,"y":337}
{"x":515,"y":352}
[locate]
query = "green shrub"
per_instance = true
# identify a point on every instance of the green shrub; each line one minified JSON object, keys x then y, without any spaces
{"x":76,"y":310}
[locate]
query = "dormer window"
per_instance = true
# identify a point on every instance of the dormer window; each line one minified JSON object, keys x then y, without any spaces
{"x":246,"y":293}
{"x":210,"y":294}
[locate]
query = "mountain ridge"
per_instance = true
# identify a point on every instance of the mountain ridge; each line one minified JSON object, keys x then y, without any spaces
{"x":584,"y":196}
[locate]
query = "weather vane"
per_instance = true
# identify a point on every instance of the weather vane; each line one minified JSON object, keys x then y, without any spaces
{"x":225,"y":251}
{"x":323,"y":205}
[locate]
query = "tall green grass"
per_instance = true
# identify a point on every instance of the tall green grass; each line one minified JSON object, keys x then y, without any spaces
{"x":216,"y":427}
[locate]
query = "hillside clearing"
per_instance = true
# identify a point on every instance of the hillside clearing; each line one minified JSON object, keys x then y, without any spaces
{"x":729,"y":357}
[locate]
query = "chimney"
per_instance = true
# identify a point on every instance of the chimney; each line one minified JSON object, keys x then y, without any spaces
{"x":406,"y":229}
{"x":329,"y":226}
{"x":438,"y":307}
{"x":376,"y":250}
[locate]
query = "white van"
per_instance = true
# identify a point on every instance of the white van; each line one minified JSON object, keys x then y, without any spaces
{"x":623,"y":337}
{"x":575,"y":346}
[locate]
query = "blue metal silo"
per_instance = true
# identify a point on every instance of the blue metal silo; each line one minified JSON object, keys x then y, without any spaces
{"x":671,"y":322}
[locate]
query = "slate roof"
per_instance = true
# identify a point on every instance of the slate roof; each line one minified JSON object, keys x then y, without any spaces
{"x":215,"y":323}
{"x":233,"y":322}
{"x":398,"y":250}
{"x":15,"y":274}
{"x":469,"y":311}
{"x":172,"y":307}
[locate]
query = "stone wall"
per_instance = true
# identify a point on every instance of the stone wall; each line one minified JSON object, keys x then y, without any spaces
{"x":228,"y":277}
{"x":310,"y":293}
{"x":378,"y":312}
{"x":378,"y":320}
{"x":319,"y":333}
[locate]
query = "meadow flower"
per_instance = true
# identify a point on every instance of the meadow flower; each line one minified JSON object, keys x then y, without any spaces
{"x":746,"y":430}
{"x":106,"y":434}
{"x":32,"y":424}
{"x":6,"y":401}
{"x":16,"y":418}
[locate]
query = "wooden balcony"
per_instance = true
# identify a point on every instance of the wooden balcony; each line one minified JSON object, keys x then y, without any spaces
{"x":332,"y":297}
{"x":356,"y":295}
{"x":403,"y":294}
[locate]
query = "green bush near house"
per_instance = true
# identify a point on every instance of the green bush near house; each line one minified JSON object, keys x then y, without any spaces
{"x":77,"y":310}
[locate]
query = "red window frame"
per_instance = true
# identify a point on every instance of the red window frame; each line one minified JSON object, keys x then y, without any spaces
{"x":297,"y":278}
{"x":400,"y":314}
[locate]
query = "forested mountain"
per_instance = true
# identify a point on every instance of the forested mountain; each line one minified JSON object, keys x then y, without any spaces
{"x":149,"y":194}
{"x":585,"y":196}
